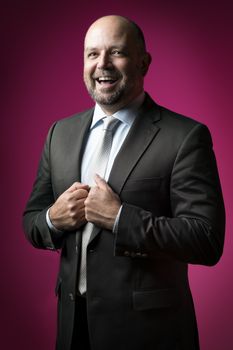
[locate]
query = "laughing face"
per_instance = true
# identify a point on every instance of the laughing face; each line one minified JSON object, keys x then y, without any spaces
{"x":114,"y":64}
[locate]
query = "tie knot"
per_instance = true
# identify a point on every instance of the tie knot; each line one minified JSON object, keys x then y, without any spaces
{"x":110,"y":123}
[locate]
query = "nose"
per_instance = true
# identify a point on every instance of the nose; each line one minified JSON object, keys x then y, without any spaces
{"x":104,"y":61}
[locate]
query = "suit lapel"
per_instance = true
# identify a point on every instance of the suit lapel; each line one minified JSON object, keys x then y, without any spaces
{"x":140,"y":136}
{"x":78,"y":131}
{"x":85,"y":124}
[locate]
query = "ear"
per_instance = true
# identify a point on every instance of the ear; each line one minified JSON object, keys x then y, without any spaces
{"x":146,"y":61}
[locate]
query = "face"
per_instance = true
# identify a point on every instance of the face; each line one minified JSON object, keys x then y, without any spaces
{"x":114,"y":65}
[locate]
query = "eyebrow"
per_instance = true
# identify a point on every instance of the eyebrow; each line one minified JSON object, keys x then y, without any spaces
{"x":89,"y":48}
{"x":120,"y":47}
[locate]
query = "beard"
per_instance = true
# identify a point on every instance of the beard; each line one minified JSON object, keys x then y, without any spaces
{"x":119,"y":95}
{"x":109,"y":98}
{"x":105,"y":96}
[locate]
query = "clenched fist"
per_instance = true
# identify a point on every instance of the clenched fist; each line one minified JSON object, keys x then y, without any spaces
{"x":102,"y":204}
{"x":68,"y":212}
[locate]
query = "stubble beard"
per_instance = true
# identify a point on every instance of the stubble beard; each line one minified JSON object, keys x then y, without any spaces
{"x":107,"y":99}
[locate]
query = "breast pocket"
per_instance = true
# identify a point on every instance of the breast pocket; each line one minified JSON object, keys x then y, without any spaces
{"x":144,"y":184}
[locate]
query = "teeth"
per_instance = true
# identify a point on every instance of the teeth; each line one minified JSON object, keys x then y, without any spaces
{"x":105,"y":78}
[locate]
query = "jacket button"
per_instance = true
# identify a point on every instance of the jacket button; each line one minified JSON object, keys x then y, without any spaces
{"x":144,"y":255}
{"x":138,"y":254}
{"x":126,"y":253}
{"x":71,"y":296}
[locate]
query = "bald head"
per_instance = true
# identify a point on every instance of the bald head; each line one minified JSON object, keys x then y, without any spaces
{"x":126,"y":25}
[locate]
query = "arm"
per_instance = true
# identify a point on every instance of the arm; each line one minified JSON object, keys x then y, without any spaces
{"x":66,"y":213}
{"x":195,"y":232}
{"x":41,"y":198}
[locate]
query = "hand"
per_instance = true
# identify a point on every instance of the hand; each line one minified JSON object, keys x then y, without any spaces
{"x":102,"y":204}
{"x":68,"y":212}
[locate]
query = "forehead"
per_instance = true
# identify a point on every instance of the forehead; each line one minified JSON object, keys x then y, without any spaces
{"x":106,"y":34}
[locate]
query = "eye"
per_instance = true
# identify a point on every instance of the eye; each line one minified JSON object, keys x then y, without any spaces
{"x":116,"y":52}
{"x":92,"y":54}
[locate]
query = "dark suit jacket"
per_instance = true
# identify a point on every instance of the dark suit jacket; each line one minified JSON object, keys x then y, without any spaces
{"x":138,"y":293}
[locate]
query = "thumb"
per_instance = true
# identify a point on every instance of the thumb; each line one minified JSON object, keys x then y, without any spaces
{"x":77,"y":186}
{"x":100,"y":182}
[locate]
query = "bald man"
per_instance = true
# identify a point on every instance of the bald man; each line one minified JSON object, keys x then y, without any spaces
{"x":126,"y":234}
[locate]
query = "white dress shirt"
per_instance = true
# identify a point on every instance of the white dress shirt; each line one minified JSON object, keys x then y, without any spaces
{"x":127,"y":116}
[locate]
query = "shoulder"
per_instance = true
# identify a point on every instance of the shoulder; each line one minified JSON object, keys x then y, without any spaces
{"x":184,"y":129}
{"x":180,"y":124}
{"x":75,"y":118}
{"x":175,"y":127}
{"x":170,"y":120}
{"x":169,"y":117}
{"x":72,"y":124}
{"x":69,"y":127}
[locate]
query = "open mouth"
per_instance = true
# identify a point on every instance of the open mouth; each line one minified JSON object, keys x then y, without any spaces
{"x":106,"y":81}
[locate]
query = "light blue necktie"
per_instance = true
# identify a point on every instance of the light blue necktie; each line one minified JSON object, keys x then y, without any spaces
{"x":98,"y":166}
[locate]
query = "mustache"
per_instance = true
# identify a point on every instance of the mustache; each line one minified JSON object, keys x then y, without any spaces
{"x":107,"y":73}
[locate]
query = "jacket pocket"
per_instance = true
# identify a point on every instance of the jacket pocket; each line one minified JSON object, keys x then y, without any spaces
{"x":154,"y":299}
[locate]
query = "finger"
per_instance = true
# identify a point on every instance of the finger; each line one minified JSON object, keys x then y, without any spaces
{"x":76,"y":186}
{"x":80,"y":194}
{"x":81,"y":204}
{"x":100,"y":182}
{"x":93,"y":191}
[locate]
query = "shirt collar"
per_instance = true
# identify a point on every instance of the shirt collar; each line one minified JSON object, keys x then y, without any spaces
{"x":125,"y":115}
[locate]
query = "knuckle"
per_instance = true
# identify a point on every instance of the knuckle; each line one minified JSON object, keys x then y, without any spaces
{"x":88,"y":217}
{"x":87,"y":214}
{"x":70,"y":206}
{"x":68,"y":197}
{"x":86,"y":201}
{"x":72,"y":224}
{"x":72,"y":215}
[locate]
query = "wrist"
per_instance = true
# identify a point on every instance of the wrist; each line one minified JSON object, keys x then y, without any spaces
{"x":50,"y":224}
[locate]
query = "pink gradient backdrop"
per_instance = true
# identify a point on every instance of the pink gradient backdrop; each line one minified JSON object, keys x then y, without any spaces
{"x":41,"y":81}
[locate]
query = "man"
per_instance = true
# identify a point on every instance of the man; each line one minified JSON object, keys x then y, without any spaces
{"x":126,"y":236}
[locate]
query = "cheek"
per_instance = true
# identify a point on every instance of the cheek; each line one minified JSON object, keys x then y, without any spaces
{"x":87,"y":77}
{"x":88,"y":70}
{"x":131,"y":70}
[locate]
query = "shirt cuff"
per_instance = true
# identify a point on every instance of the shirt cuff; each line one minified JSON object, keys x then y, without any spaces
{"x":115,"y":226}
{"x":50,"y":225}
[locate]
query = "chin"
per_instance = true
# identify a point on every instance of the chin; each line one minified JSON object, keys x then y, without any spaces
{"x":107,"y":99}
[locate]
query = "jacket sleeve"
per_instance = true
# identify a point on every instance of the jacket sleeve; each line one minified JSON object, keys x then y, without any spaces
{"x":195,"y":231}
{"x":41,"y":198}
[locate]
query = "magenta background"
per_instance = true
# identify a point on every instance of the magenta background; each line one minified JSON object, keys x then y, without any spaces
{"x":41,"y":81}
